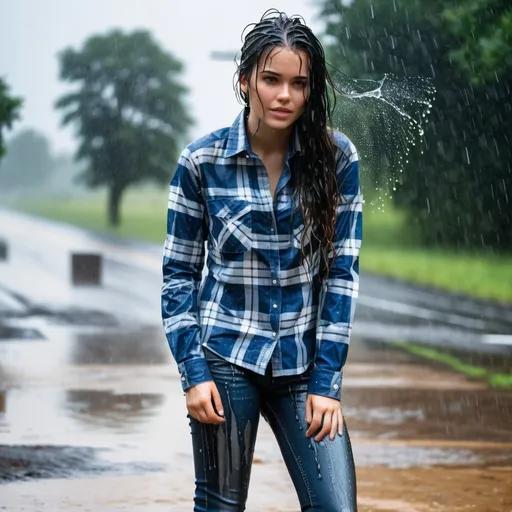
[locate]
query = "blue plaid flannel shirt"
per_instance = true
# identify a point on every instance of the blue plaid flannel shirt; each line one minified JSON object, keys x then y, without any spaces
{"x":257,"y":302}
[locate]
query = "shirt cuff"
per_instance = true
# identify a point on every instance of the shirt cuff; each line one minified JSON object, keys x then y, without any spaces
{"x":193,"y":372}
{"x":325,"y":383}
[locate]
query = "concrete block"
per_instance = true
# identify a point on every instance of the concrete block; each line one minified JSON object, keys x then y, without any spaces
{"x":86,"y":269}
{"x":4,"y":250}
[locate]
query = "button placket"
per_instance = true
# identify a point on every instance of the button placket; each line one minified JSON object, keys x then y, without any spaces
{"x":274,"y":263}
{"x":274,"y":313}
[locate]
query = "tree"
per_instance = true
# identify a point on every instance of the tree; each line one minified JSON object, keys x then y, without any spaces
{"x":458,"y":192}
{"x":9,"y":111}
{"x":484,"y":28}
{"x":128,"y":109}
{"x":28,"y":164}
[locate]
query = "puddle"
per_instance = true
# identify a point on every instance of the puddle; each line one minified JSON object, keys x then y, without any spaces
{"x":10,"y":332}
{"x":109,"y":402}
{"x":142,"y":346}
{"x":397,"y":413}
{"x":21,"y":463}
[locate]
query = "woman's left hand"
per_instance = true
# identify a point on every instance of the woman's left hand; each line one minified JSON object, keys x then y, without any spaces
{"x":329,"y":409}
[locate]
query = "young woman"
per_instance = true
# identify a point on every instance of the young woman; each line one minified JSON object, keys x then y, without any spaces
{"x":276,"y":196}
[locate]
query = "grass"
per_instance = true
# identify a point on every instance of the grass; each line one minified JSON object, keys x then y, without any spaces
{"x":143,"y":213}
{"x":388,"y":249}
{"x":494,"y":379}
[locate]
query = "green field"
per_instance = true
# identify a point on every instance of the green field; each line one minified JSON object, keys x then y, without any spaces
{"x":387,"y":247}
{"x":441,"y":357}
{"x":143,"y":213}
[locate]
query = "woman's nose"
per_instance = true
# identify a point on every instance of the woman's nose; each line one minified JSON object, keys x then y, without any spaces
{"x":284,"y":93}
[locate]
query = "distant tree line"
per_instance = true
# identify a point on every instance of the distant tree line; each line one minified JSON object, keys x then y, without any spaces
{"x":31,"y":168}
{"x":459,"y":192}
{"x":28,"y":163}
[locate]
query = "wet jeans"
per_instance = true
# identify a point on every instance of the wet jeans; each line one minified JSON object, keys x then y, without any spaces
{"x":322,"y":472}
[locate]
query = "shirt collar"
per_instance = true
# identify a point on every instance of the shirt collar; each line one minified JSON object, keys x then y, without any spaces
{"x":237,"y":141}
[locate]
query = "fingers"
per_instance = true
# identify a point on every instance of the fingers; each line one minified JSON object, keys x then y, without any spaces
{"x":334,"y":425}
{"x":326,"y":427}
{"x":211,"y":415}
{"x":324,"y":416}
{"x":205,"y":414}
{"x":315,"y":424}
{"x":200,"y":403}
{"x":202,"y":416}
{"x":309,"y":410}
{"x":217,"y":402}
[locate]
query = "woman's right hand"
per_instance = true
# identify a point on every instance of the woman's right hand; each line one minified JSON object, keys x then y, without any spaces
{"x":201,"y":400}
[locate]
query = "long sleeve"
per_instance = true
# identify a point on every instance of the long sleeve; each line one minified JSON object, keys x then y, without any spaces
{"x":183,"y":261}
{"x":337,"y":299}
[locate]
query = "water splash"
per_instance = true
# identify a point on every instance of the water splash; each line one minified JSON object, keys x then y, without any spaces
{"x":385,"y":119}
{"x":295,"y":406}
{"x":312,"y":445}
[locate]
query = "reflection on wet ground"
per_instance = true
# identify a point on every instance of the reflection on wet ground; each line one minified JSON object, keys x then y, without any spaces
{"x":107,"y":410}
{"x":108,"y":403}
{"x":432,"y":414}
{"x":116,"y":347}
{"x":36,"y":462}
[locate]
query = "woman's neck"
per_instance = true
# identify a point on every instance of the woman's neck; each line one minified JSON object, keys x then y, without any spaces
{"x":266,"y":140}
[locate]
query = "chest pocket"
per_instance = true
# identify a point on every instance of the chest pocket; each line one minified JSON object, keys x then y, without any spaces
{"x":230,"y":224}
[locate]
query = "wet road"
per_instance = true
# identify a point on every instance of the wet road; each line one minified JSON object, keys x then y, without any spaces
{"x":39,"y":271}
{"x":92,"y":417}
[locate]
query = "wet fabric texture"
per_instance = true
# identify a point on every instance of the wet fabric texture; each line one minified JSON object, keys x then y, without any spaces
{"x":259,"y":301}
{"x":322,"y":472}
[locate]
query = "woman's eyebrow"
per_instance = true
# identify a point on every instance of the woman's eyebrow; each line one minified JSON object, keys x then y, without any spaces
{"x":279,"y":75}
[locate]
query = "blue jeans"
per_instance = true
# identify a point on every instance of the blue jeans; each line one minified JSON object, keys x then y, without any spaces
{"x":323,"y":473}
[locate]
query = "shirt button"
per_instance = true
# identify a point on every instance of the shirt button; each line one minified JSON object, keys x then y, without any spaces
{"x":274,"y":281}
{"x":183,"y":379}
{"x":274,"y":306}
{"x":274,"y":334}
{"x":335,"y":386}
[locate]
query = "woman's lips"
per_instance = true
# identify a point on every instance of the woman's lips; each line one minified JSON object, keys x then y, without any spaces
{"x":281,"y":113}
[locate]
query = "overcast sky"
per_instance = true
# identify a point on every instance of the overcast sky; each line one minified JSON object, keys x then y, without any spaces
{"x":32,"y":32}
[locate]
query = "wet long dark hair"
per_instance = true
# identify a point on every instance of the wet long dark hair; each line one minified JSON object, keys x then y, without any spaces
{"x":313,"y":169}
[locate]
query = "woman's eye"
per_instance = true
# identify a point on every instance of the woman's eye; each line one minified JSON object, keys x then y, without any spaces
{"x":269,"y":79}
{"x":300,"y":84}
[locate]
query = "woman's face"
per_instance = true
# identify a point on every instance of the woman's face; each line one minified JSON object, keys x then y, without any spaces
{"x":278,"y":91}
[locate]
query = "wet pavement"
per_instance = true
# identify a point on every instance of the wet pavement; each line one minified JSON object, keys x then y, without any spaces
{"x":92,"y":416}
